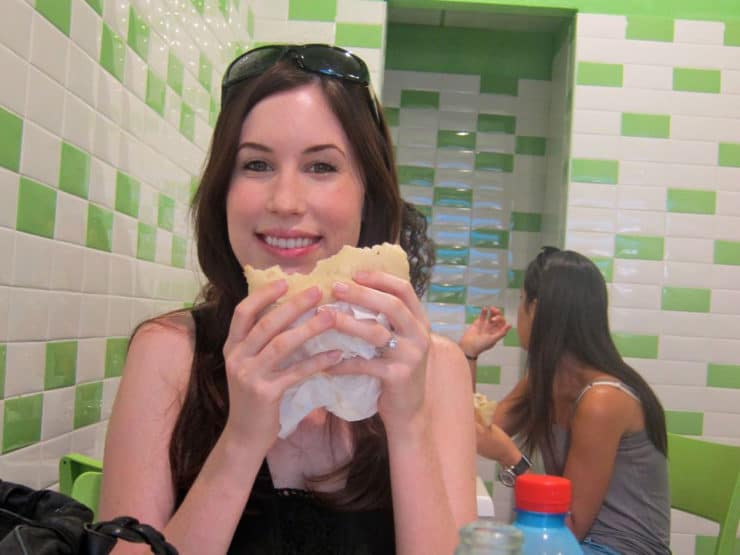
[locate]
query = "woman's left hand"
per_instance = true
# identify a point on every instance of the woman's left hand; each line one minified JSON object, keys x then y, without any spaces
{"x":400,"y":368}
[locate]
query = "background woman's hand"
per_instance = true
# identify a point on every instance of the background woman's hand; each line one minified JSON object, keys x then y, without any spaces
{"x":402,"y":370}
{"x":255,"y":350}
{"x":484,"y":332}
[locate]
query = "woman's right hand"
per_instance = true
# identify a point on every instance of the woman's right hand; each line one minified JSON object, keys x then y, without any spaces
{"x":255,"y":350}
{"x":484,"y":332}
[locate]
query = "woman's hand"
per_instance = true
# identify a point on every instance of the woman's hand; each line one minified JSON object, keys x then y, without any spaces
{"x":255,"y":351}
{"x":494,"y":443}
{"x":401,"y":370}
{"x":484,"y":332}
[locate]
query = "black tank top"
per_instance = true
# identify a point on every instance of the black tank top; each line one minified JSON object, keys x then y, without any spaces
{"x":295,"y":522}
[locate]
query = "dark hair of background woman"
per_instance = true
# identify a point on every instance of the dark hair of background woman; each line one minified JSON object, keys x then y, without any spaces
{"x":385,"y":218}
{"x":571,"y":318}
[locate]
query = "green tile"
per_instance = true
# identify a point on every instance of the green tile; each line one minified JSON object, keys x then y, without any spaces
{"x":88,"y":404}
{"x":11,"y":138}
{"x":602,"y":75}
{"x":494,"y":161}
{"x":96,"y":5}
{"x":187,"y":121}
{"x":416,"y":175}
{"x":535,"y":146}
{"x":729,"y":155}
{"x":732,"y":33}
{"x":525,"y":221}
{"x":496,"y":123}
{"x":74,"y":171}
{"x":643,"y":247}
{"x":444,"y":293}
{"x":199,"y":5}
{"x":61,"y":364}
{"x":250,"y":22}
{"x":58,"y":12}
{"x":37,"y":205}
{"x":179,"y":250}
{"x":312,"y":10}
{"x":155,"y":92}
{"x":646,"y":125}
{"x":392,"y":116}
{"x":358,"y":35}
{"x":166,"y":212}
{"x":115,"y":356}
{"x":127,"y":194}
{"x":696,"y":80}
{"x":649,"y":28}
{"x":586,"y":170}
{"x":213,"y":112}
{"x":727,"y":252}
{"x":452,"y":255}
{"x":719,"y":375}
{"x":205,"y":72}
{"x":691,"y":201}
{"x":489,"y":238}
{"x":455,"y":139}
{"x":426,"y":210}
{"x":3,"y":356}
{"x":452,"y":196}
{"x":22,"y":421}
{"x":636,"y":345}
{"x":112,"y":53}
{"x":511,"y":339}
{"x":138,"y":34}
{"x":419,"y":99}
{"x":684,"y":422}
{"x":223,"y":7}
{"x":514,"y":278}
{"x":175,"y":73}
{"x":705,"y":545}
{"x":686,"y":299}
{"x":488,"y":374}
{"x":489,"y":486}
{"x":605,"y":266}
{"x":146,"y":245}
{"x":496,"y":83}
{"x":99,"y":228}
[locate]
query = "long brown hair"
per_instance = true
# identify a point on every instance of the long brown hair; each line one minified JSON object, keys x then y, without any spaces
{"x":570,"y":317}
{"x":205,"y":406}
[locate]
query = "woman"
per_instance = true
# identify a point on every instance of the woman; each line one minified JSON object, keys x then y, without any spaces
{"x":300,"y":165}
{"x":594,"y":418}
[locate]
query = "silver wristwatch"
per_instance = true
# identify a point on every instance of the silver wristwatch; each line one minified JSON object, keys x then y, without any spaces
{"x":507,"y":474}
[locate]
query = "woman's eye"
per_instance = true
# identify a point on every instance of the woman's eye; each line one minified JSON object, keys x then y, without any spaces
{"x":322,"y":167}
{"x":256,"y":166}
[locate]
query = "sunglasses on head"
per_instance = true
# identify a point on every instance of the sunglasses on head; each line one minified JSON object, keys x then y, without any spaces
{"x":322,"y":59}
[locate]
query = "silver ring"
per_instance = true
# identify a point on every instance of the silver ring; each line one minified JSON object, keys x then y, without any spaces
{"x":390,"y":345}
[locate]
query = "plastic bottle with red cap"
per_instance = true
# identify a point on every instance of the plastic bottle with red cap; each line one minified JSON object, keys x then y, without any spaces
{"x":542,"y":502}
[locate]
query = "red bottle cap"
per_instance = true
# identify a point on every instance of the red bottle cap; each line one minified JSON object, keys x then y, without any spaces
{"x":542,"y":493}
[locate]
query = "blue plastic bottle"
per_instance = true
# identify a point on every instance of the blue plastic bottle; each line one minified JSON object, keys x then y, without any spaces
{"x":542,"y":503}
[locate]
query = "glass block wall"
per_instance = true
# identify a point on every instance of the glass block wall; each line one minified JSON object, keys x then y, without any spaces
{"x":106,"y":111}
{"x":481,"y":148}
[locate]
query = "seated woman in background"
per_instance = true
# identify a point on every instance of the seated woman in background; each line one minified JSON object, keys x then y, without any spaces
{"x":593,"y":418}
{"x":300,"y":165}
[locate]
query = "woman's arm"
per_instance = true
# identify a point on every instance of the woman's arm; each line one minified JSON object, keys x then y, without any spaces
{"x":600,"y":420}
{"x":502,"y":415}
{"x":487,"y":330}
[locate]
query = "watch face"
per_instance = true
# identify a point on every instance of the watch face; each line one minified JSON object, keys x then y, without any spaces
{"x":507,"y":477}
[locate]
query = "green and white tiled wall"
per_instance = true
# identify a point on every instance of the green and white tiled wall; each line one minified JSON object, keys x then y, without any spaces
{"x":106,"y":111}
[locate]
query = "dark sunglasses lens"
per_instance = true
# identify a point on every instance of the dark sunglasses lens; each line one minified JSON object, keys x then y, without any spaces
{"x":334,"y":63}
{"x":252,"y":63}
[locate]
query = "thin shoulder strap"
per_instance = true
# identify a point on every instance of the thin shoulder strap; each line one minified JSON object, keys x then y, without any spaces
{"x":611,"y":383}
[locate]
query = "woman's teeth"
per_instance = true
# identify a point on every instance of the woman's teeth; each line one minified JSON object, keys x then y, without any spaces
{"x":292,"y":243}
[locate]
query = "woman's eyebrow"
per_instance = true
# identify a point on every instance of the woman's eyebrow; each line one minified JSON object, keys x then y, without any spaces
{"x":255,"y":146}
{"x":327,"y":146}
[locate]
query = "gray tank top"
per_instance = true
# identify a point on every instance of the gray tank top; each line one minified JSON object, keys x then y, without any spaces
{"x":635,"y":515}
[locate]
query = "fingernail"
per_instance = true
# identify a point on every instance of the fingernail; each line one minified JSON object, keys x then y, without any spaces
{"x":335,"y":357}
{"x":340,"y":287}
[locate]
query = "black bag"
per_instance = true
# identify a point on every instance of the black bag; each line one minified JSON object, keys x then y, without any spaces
{"x":44,"y":522}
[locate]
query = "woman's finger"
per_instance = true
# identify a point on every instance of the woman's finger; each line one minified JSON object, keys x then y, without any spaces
{"x":367,"y":330}
{"x":306,"y":368}
{"x":247,"y":311}
{"x":394,"y":285}
{"x":283,"y":345}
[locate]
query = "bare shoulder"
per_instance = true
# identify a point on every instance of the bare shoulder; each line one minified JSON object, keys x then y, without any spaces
{"x":447,"y":365}
{"x":608,"y":407}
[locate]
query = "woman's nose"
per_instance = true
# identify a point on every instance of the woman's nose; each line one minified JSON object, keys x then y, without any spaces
{"x":287,"y":193}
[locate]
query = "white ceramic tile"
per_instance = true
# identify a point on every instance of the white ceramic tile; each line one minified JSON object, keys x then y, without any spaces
{"x":24,"y":368}
{"x":730,"y":82}
{"x":116,"y":14}
{"x":110,"y":388}
{"x":90,"y":360}
{"x":690,"y":225}
{"x":601,"y":25}
{"x":49,"y":48}
{"x":66,"y":267}
{"x":96,"y":272}
{"x":119,"y":316}
{"x":22,"y":466}
{"x":498,"y":104}
{"x":689,"y":249}
{"x":40,"y":154}
{"x":121,"y":276}
{"x":728,"y":204}
{"x":71,"y":218}
{"x":635,"y":295}
{"x":270,"y":9}
{"x":85,"y":28}
{"x":699,"y":32}
{"x":79,"y":122}
{"x":58,"y":413}
{"x":125,"y":235}
{"x":459,"y":101}
{"x":591,"y":244}
{"x":640,"y":222}
{"x":64,"y":315}
{"x":419,"y":117}
{"x":687,"y":324}
{"x":599,"y":122}
{"x":727,"y":179}
{"x":164,"y":247}
{"x":495,"y":142}
{"x":296,"y":32}
{"x":673,"y":372}
{"x":13,"y":91}
{"x":641,"y":198}
{"x":32,"y":265}
{"x":725,"y":277}
{"x":106,"y":140}
{"x":723,"y":326}
{"x":9,"y":193}
{"x":44,"y":101}
{"x":725,"y":301}
{"x":637,"y":76}
{"x":638,"y":271}
{"x":459,"y":121}
{"x":84,"y":441}
{"x":417,"y":137}
{"x":110,"y":96}
{"x":686,"y":274}
{"x":592,"y":195}
{"x":102,"y":183}
{"x":634,"y":320}
{"x":705,"y":129}
{"x":532,"y":126}
{"x":7,"y":252}
{"x":598,"y":220}
{"x":414,"y":156}
{"x":684,"y":348}
{"x":721,"y":424}
{"x":725,"y":227}
{"x":51,"y":451}
{"x":455,"y":159}
{"x":724,"y":351}
{"x":93,"y":315}
{"x":28,"y":315}
{"x":14,"y":26}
